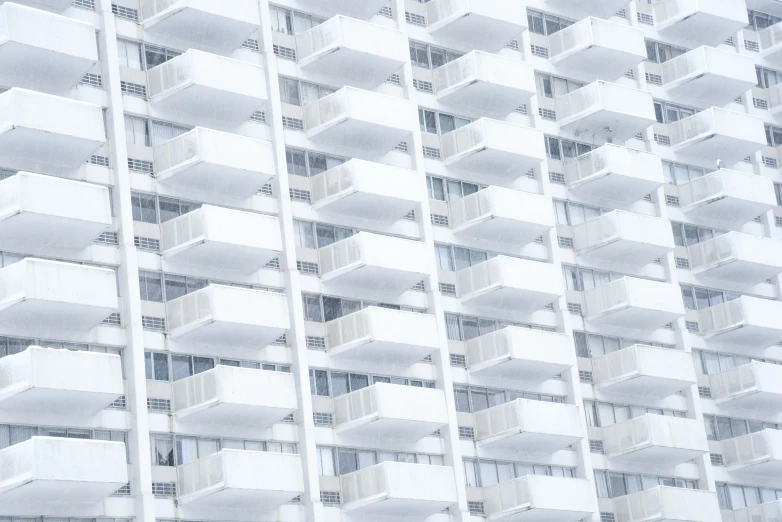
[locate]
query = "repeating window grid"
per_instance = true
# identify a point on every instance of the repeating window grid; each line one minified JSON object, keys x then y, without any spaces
{"x":84,"y":4}
{"x":565,"y":242}
{"x":317,"y":343}
{"x":329,"y":498}
{"x":147,"y":244}
{"x":538,"y":50}
{"x":123,"y":491}
{"x":448,"y":289}
{"x":154,"y":404}
{"x":419,"y":287}
{"x":124,"y":12}
{"x":112,"y":320}
{"x":661,"y":139}
{"x":120,"y":403}
{"x":716,"y":459}
{"x":164,"y":489}
{"x":305,"y":267}
{"x":770,"y":162}
{"x":395,"y":79}
{"x":760,"y":104}
{"x":138,"y":165}
{"x":92,"y":79}
{"x":692,"y":326}
{"x":574,"y":308}
{"x":458,"y":361}
{"x":258,"y":116}
{"x":607,"y":517}
{"x":266,"y":190}
{"x":107,"y":238}
{"x":439,"y":220}
{"x":292,"y":123}
{"x":386,"y":11}
{"x":654,"y":79}
{"x":415,"y":19}
{"x":423,"y":86}
{"x":274,"y":264}
{"x":596,"y":446}
{"x":153,"y":323}
{"x":704,"y":392}
{"x":682,"y":262}
{"x":401,"y":147}
{"x":475,"y":507}
{"x":671,"y":201}
{"x":251,"y":44}
{"x":645,"y":18}
{"x":585,"y":377}
{"x":431,"y":152}
{"x":300,"y":195}
{"x":547,"y":114}
{"x":285,"y":53}
{"x":134,"y":89}
{"x":749,"y":45}
{"x":323,"y":419}
{"x":557,"y":178}
{"x":513,"y":44}
{"x":102,"y":161}
{"x":466,"y":432}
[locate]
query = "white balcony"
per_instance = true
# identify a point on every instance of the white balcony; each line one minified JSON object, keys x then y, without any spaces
{"x":597,"y":49}
{"x":501,"y":214}
{"x":592,"y":109}
{"x":629,"y":302}
{"x":643,"y":370}
{"x":230,"y":483}
{"x":747,"y":323}
{"x":535,"y":498}
{"x":601,"y":8}
{"x":614,"y":173}
{"x":711,"y":76}
{"x":58,"y":472}
{"x":510,"y":283}
{"x":374,"y":262}
{"x":39,"y":210}
{"x":390,"y":411}
{"x":398,"y":490}
{"x":226,"y":318}
{"x":707,"y":22}
{"x":363,"y":53}
{"x":520,"y":353}
{"x":728,"y":196}
{"x":757,"y":453}
{"x":365,"y":121}
{"x":52,"y":381}
{"x":623,"y":237}
{"x":767,"y":512}
{"x":529,"y":425}
{"x":668,"y":504}
{"x":207,"y":86}
{"x":493,"y":152}
{"x":655,"y":439}
{"x":221,"y":238}
{"x":367,"y":190}
{"x":737,"y":257}
{"x":718,"y":133}
{"x":485,"y":82}
{"x":52,"y":294}
{"x":43,"y":50}
{"x":362,"y":9}
{"x":756,"y":386}
{"x":771,"y":39}
{"x":219,"y":26}
{"x":50,"y":130}
{"x":215,"y":162}
{"x":485,"y":25}
{"x":230,"y":396}
{"x":383,"y":335}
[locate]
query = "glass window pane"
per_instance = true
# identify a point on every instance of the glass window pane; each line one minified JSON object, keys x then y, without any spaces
{"x":182,"y":366}
{"x":160,"y":366}
{"x":346,"y":460}
{"x":488,"y":473}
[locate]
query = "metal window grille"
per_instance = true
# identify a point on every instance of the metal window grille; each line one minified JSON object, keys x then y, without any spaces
{"x":538,"y":240}
{"x":419,"y":287}
{"x":107,"y":238}
{"x":574,"y":308}
{"x":622,"y":13}
{"x":475,"y":507}
{"x":596,"y":446}
{"x":286,"y":53}
{"x":134,"y":89}
{"x":607,"y":517}
{"x":274,"y":264}
{"x":513,"y":44}
{"x":124,"y":12}
{"x":118,"y":404}
{"x":102,"y":161}
{"x":415,"y":19}
{"x":671,"y":201}
{"x":431,"y":152}
{"x":654,"y":79}
{"x":305,"y":267}
{"x":329,"y":498}
{"x":410,"y":216}
{"x":92,"y":79}
{"x":164,"y":489}
{"x":770,"y":162}
{"x":386,"y":11}
{"x":466,"y":432}
{"x":630,"y":74}
{"x":292,"y":123}
{"x":295,"y":500}
{"x":645,"y":18}
{"x":84,"y":4}
{"x":427,"y":359}
{"x":112,"y":320}
{"x":281,"y":340}
{"x":538,"y":50}
{"x":778,"y":221}
{"x":153,"y":323}
{"x":318,"y":343}
{"x":749,"y":45}
{"x":158,"y":404}
{"x":661,"y":139}
{"x":521,"y":109}
{"x":648,"y":197}
{"x":401,"y":147}
{"x":547,"y":114}
{"x":448,"y":289}
{"x":565,"y":242}
{"x":258,"y":116}
{"x":288,"y":419}
{"x":323,"y":419}
{"x":266,"y":190}
{"x":423,"y":86}
{"x":147,"y":244}
{"x":716,"y":459}
{"x":141,"y":166}
{"x":395,"y":79}
{"x":549,"y":306}
{"x":251,"y":44}
{"x":123,"y":491}
{"x":439,"y":220}
{"x":458,"y":360}
{"x":530,"y":173}
{"x":556,"y":177}
{"x":585,"y":376}
{"x":728,"y":41}
{"x":757,"y":219}
{"x":704,"y":392}
{"x":748,"y":159}
{"x":760,"y":104}
{"x":682,"y":262}
{"x":300,"y":195}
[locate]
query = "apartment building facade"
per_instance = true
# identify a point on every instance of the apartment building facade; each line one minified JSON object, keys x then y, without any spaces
{"x":347,"y":260}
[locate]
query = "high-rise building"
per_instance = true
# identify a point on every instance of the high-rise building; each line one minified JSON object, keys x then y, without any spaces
{"x":372,"y":260}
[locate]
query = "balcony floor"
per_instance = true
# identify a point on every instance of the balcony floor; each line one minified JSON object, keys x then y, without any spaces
{"x":218,"y":255}
{"x":373,"y":278}
{"x":517,"y":440}
{"x":524,"y":369}
{"x":746,"y":338}
{"x":367,"y":137}
{"x":29,"y":228}
{"x":625,"y":251}
{"x":360,"y":68}
{"x":208,"y":29}
{"x":502,"y":229}
{"x":376,"y":207}
{"x":378,"y":428}
{"x":614,"y":187}
{"x":644,"y":385}
{"x":739,"y":271}
{"x":204,"y":102}
{"x":727,"y":209}
{"x":52,"y":314}
{"x":519,"y":300}
{"x":38,"y":68}
{"x":34,"y":146}
{"x":213,"y":178}
{"x":491,"y":164}
{"x":485,"y":97}
{"x":662,"y":455}
{"x":381,"y":352}
{"x":634,"y":317}
{"x":229,"y":415}
{"x":46,"y":400}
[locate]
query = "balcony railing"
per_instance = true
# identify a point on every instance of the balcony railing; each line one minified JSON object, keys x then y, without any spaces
{"x":728,"y":135}
{"x":743,"y":258}
{"x":758,"y":453}
{"x":727,"y":195}
{"x":644,"y":370}
{"x":757,"y":386}
{"x":668,"y":504}
{"x":707,"y":22}
{"x":655,"y":439}
{"x":541,"y":498}
{"x":634,"y":303}
{"x":486,"y":25}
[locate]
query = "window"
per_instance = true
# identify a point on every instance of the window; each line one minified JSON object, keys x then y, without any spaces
{"x":669,"y":113}
{"x":773,"y":135}
{"x":430,"y":57}
{"x":545,"y":24}
{"x":151,"y":286}
{"x":768,"y":77}
{"x":615,"y":484}
{"x":171,"y":208}
{"x":698,"y":298}
{"x":592,"y":345}
{"x":482,"y":472}
{"x":677,"y":173}
{"x":295,"y":92}
{"x":472,"y":399}
{"x":330,"y":234}
{"x":130,"y":54}
{"x":282,"y":19}
{"x":443,"y":189}
{"x":658,"y":52}
{"x":601,"y":414}
{"x":332,"y":383}
{"x":758,"y":21}
{"x":559,"y":149}
{"x":435,"y":122}
{"x":308,"y":163}
{"x":144,"y":207}
{"x":580,"y":279}
{"x":171,"y":450}
{"x":686,"y":235}
{"x":136,"y":130}
{"x":733,"y":496}
{"x":553,"y":86}
{"x":161,"y":132}
{"x":452,"y":258}
{"x":464,"y":327}
{"x":155,"y":55}
{"x":340,"y":461}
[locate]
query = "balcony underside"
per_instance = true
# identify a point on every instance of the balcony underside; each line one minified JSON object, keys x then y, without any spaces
{"x":623,"y":125}
{"x":215,"y":178}
{"x":52,"y":314}
{"x":70,"y":494}
{"x":381,"y":352}
{"x":217,"y":255}
{"x":586,"y":61}
{"x":709,"y":89}
{"x":34,"y":229}
{"x":24,"y":65}
{"x":634,"y":317}
{"x":209,"y":29}
{"x":662,"y":455}
{"x":493,"y":164}
{"x":518,"y":368}
{"x":205,"y":102}
{"x":728,"y":209}
{"x":361,"y":68}
{"x":502,"y":229}
{"x":745,"y":338}
{"x":222,"y":499}
{"x":394,"y":507}
{"x":34,"y":146}
{"x":625,"y":251}
{"x":517,"y":440}
{"x":375,"y":278}
{"x":478,"y":32}
{"x":759,"y":401}
{"x":766,"y":468}
{"x":703,"y":28}
{"x":498,"y":296}
{"x":729,"y":149}
{"x":377,"y":207}
{"x":55,"y":400}
{"x":613,"y":187}
{"x":528,"y":513}
{"x":652,"y":386}
{"x":739,"y":271}
{"x":379,"y":428}
{"x":225,"y":338}
{"x":231,"y":414}
{"x":369,"y":137}
{"x":485,"y":97}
